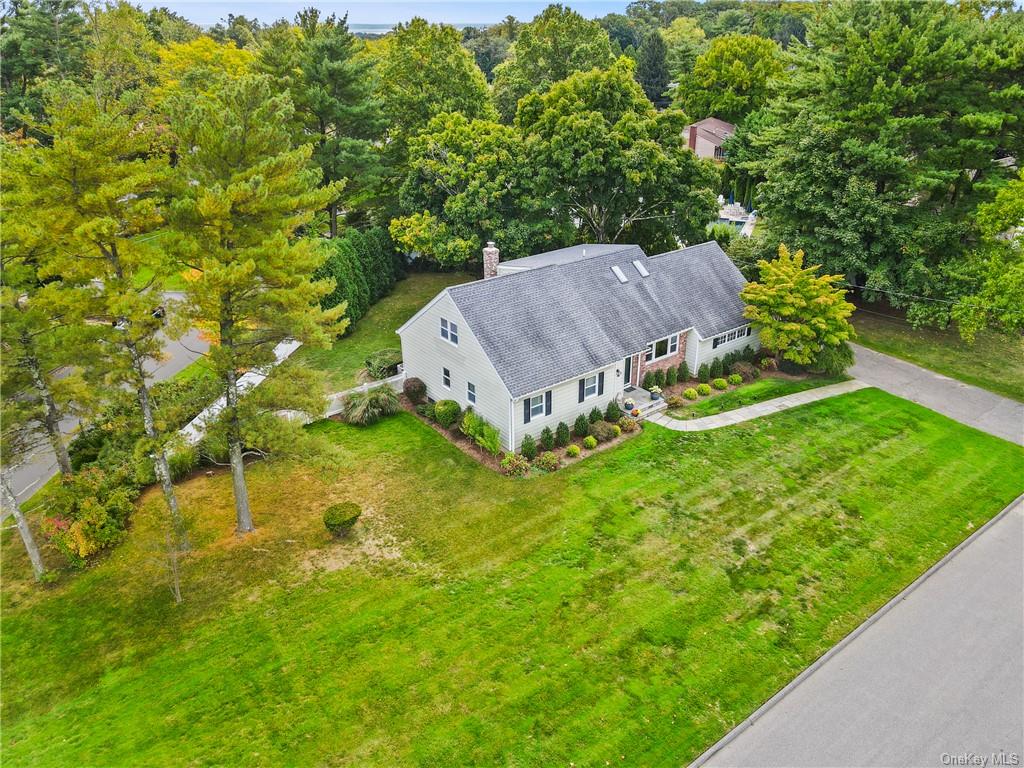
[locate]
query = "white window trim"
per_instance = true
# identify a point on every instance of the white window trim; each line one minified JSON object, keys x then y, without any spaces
{"x":449,"y":331}
{"x":672,"y":345}
{"x":471,"y":392}
{"x":722,"y":339}
{"x":587,"y":394}
{"x":534,"y":413}
{"x":446,"y":378}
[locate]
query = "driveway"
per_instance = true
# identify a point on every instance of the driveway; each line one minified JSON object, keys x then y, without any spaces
{"x":969,"y":405}
{"x":938,"y":677}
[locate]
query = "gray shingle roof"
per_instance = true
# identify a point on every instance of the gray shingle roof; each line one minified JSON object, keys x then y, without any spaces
{"x":561,"y":256}
{"x":547,"y":325}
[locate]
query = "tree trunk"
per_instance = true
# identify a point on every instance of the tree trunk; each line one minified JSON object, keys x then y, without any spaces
{"x":51,"y":416}
{"x":334,"y":219}
{"x":243,"y":514}
{"x":11,"y":502}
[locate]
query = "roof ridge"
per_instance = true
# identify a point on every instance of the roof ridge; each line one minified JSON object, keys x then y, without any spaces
{"x":534,"y":270}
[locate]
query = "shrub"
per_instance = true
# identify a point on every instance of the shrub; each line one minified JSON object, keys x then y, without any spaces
{"x":90,"y":512}
{"x":749,"y":354}
{"x":383,"y":363}
{"x":684,"y":371}
{"x":703,"y":373}
{"x":572,"y":451}
{"x":548,"y":461}
{"x":719,"y":384}
{"x":744,"y":369}
{"x":833,"y":361}
{"x":648,"y":381}
{"x":515,"y":465}
{"x":590,"y":442}
{"x":793,"y":369}
{"x":482,"y":433}
{"x":602,"y":430}
{"x":717,"y":369}
{"x":690,"y":393}
{"x":612,"y":413}
{"x":183,"y":461}
{"x":547,"y":439}
{"x":769,"y":364}
{"x":627,"y":424}
{"x":426,"y":410}
{"x":675,"y":401}
{"x":582,"y":426}
{"x":671,"y":376}
{"x":703,"y":390}
{"x":595,"y":415}
{"x":616,"y":430}
{"x":370,"y":406}
{"x":340,"y":518}
{"x":734,"y":379}
{"x":562,"y":435}
{"x":528,"y":447}
{"x":659,"y":378}
{"x":447,"y":413}
{"x":415,"y":390}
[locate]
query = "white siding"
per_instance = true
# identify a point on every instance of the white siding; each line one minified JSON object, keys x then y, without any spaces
{"x":693,"y":350}
{"x":425,"y":354}
{"x":565,"y":404}
{"x":707,"y":354}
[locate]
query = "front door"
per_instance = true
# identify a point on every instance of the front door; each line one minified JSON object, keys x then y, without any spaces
{"x":629,"y":371}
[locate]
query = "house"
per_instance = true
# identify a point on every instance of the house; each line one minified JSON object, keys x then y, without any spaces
{"x":705,"y":138}
{"x":545,"y":338}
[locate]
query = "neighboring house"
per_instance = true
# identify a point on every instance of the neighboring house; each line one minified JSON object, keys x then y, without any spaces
{"x":706,"y":137}
{"x":545,"y":338}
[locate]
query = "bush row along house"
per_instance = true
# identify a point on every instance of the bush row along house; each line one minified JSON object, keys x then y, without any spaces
{"x":545,"y":338}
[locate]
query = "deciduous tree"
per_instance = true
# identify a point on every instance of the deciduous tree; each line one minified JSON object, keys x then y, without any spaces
{"x":797,"y":311}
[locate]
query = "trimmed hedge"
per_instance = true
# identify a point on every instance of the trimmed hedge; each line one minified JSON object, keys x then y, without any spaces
{"x":383,"y":363}
{"x":363,"y":267}
{"x":572,"y":451}
{"x":719,"y":384}
{"x":414,"y":389}
{"x":690,"y":393}
{"x":447,"y":413}
{"x":339,"y":519}
{"x":590,"y":442}
{"x":703,"y":389}
{"x":735,"y":379}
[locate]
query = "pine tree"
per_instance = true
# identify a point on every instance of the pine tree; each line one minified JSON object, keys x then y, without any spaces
{"x":243,"y":197}
{"x":652,"y":68}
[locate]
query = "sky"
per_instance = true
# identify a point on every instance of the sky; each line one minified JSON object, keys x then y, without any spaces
{"x":365,"y":13}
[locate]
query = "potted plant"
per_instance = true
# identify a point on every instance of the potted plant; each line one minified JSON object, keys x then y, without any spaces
{"x":655,"y":393}
{"x":635,"y":412}
{"x":629,"y":404}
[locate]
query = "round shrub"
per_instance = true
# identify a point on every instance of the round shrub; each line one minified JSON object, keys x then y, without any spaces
{"x":612,"y":413}
{"x":547,"y":439}
{"x":548,"y":461}
{"x":690,"y":393}
{"x":426,"y":410}
{"x":627,"y":424}
{"x":582,"y":426}
{"x":339,"y":518}
{"x":720,"y":384}
{"x":529,"y":447}
{"x":447,"y":413}
{"x":769,"y":364}
{"x":675,"y":401}
{"x":590,"y":442}
{"x":515,"y":465}
{"x":616,"y":430}
{"x":562,"y":435}
{"x":603,"y":431}
{"x":734,"y":379}
{"x":383,"y":363}
{"x":414,"y":389}
{"x":572,"y":451}
{"x":703,"y":389}
{"x":744,"y":369}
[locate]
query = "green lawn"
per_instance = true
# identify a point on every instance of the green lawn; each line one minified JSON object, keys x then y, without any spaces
{"x":994,"y":362}
{"x":376,"y":330}
{"x":629,"y":609}
{"x":755,"y":392}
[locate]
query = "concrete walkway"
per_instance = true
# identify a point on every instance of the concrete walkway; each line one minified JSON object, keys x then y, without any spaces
{"x":757,"y":410}
{"x":935,"y":675}
{"x":969,"y":405}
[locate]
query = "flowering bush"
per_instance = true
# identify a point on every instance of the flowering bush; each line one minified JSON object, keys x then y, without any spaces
{"x":548,"y":461}
{"x":629,"y":403}
{"x":515,"y":465}
{"x":91,"y":510}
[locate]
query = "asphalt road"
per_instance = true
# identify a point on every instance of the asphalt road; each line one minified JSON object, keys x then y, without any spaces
{"x":938,"y":677}
{"x":35,"y":471}
{"x":969,"y":405}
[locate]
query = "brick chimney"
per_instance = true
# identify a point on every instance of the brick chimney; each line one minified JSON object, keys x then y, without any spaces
{"x":491,"y":254}
{"x":692,"y":139}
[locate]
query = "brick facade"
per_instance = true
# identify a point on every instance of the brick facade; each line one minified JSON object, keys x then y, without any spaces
{"x":672,"y":361}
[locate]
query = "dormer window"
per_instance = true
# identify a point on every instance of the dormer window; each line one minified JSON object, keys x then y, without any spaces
{"x":450,"y":331}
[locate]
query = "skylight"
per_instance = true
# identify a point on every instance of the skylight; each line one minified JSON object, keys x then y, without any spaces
{"x":618,"y":274}
{"x":640,"y":268}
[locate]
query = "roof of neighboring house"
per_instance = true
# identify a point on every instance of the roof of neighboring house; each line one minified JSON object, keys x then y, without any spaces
{"x":543,"y":326}
{"x":561,"y":256}
{"x":714,"y":130}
